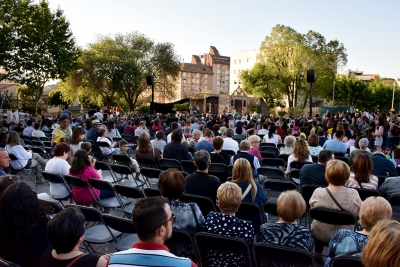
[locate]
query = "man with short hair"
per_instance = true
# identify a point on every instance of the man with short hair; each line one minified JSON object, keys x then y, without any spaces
{"x":67,"y":111}
{"x":141,"y":129}
{"x":200,"y":182}
{"x":205,"y":143}
{"x":152,"y":219}
{"x":4,"y":161}
{"x":229,"y":143}
{"x":315,"y":173}
{"x":37,"y":132}
{"x":321,"y":137}
{"x":336,"y":145}
{"x":29,"y":129}
{"x":243,"y":153}
{"x":98,"y":115}
{"x":120,"y":126}
{"x":363,"y":143}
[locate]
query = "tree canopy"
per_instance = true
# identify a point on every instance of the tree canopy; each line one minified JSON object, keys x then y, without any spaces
{"x":37,"y":45}
{"x":116,"y":68}
{"x":284,"y":58}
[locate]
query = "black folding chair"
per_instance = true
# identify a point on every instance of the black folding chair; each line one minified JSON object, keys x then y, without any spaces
{"x":395,"y":203}
{"x":298,"y":164}
{"x":124,"y":226}
{"x":381,"y":180}
{"x":44,"y":139}
{"x":170,"y":163}
{"x":205,"y":242}
{"x":251,"y":212}
{"x":338,"y":154}
{"x":346,"y":261}
{"x":125,"y":171}
{"x":128,"y":137}
{"x":29,"y":175}
{"x":79,"y":182}
{"x":266,"y":145}
{"x":266,"y":253}
{"x":104,"y":155}
{"x":270,"y":208}
{"x":131,"y":193}
{"x":285,"y":158}
{"x":100,"y":165}
{"x":5,"y":263}
{"x":267,"y":155}
{"x":150,"y":173}
{"x":96,"y":233}
{"x":271,"y":173}
{"x":205,"y":204}
{"x":344,"y":159}
{"x":41,"y":151}
{"x":181,"y":244}
{"x":110,"y":202}
{"x":152,"y":192}
{"x":55,"y":178}
{"x":276,"y":187}
{"x":273,"y":162}
{"x":146,"y":162}
{"x":270,"y":149}
{"x":334,"y":217}
{"x":54,"y":206}
{"x":219,"y":170}
{"x":307,"y":191}
{"x":366,"y":193}
{"x":314,"y":159}
{"x":230,"y":152}
{"x":188,"y":166}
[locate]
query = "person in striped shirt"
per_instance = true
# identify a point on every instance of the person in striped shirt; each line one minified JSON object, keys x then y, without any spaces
{"x":152,"y":219}
{"x":362,"y":176}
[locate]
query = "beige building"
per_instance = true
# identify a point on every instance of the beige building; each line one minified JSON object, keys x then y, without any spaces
{"x":241,"y":61}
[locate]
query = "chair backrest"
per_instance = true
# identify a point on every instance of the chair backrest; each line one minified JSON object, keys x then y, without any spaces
{"x":44,"y":139}
{"x":230,"y":152}
{"x":282,"y":254}
{"x":91,"y":214}
{"x":271,"y":173}
{"x":366,"y":193}
{"x":150,"y":172}
{"x":335,"y":217}
{"x":103,"y":144}
{"x":285,"y":157}
{"x":128,"y":137}
{"x":37,"y":143}
{"x":75,"y":181}
{"x":120,"y":169}
{"x":99,"y":165}
{"x":314,"y":159}
{"x":54,"y":178}
{"x":188,"y":166}
{"x":170,"y":163}
{"x":394,"y":200}
{"x":101,"y":185}
{"x":266,"y":154}
{"x":128,"y":191}
{"x":152,"y":192}
{"x":298,"y":164}
{"x":56,"y":207}
{"x":338,"y":154}
{"x":122,"y":158}
{"x":219,"y":170}
{"x":251,"y":212}
{"x":307,"y":191}
{"x":346,"y":261}
{"x":267,"y":144}
{"x":270,"y":149}
{"x":205,"y":204}
{"x":273,"y":162}
{"x":279,"y":186}
{"x":270,"y":208}
{"x":146,"y":162}
{"x":224,"y":244}
{"x":119,"y":224}
{"x":279,"y":146}
{"x":181,"y":238}
{"x":344,"y":159}
{"x":381,"y":180}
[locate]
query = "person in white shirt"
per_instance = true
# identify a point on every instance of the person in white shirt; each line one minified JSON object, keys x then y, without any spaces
{"x":174,"y":126}
{"x":102,"y":138}
{"x":99,"y":115}
{"x":142,"y":128}
{"x":229,"y":143}
{"x":111,"y":131}
{"x":264,"y":130}
{"x":59,"y":165}
{"x":37,"y":132}
{"x":159,"y":142}
{"x":272,"y":137}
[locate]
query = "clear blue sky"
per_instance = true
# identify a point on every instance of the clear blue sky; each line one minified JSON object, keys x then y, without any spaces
{"x":366,"y":28}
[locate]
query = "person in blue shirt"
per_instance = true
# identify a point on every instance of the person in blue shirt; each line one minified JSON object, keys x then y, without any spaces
{"x":336,"y":145}
{"x":205,"y":144}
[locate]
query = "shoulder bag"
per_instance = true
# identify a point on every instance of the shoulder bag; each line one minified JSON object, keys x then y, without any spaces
{"x":334,"y":199}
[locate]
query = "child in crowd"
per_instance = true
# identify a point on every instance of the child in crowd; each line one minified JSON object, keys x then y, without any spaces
{"x":123,"y":147}
{"x":88,"y":147}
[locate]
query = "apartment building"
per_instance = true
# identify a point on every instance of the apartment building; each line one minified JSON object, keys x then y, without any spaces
{"x":241,"y":61}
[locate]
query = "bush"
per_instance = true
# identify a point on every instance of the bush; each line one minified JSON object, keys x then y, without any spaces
{"x":282,"y":113}
{"x":254,"y":107}
{"x":181,"y":107}
{"x":142,"y":109}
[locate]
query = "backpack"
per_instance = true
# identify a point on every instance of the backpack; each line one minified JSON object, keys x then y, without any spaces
{"x":395,"y":130}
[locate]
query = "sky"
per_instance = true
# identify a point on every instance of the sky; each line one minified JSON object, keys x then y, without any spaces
{"x":366,"y":28}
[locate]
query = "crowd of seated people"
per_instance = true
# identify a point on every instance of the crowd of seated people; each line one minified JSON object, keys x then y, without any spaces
{"x":222,"y":139}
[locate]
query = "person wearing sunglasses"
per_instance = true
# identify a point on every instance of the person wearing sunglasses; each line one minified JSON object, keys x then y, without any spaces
{"x":152,"y":219}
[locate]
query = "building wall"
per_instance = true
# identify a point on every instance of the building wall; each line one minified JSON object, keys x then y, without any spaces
{"x":240,"y":61}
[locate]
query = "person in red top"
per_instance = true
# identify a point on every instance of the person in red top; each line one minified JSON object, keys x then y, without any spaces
{"x":279,"y":130}
{"x":152,"y":219}
{"x":157,"y":125}
{"x":129,"y":128}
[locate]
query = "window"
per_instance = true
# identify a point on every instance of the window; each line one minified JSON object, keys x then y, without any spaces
{"x":234,"y":72}
{"x":205,"y":87}
{"x":184,"y":74}
{"x":184,"y":87}
{"x":217,"y":82}
{"x":248,"y":60}
{"x":218,"y":66}
{"x":240,"y":61}
{"x":218,"y":77}
{"x":227,"y":72}
{"x":184,"y":80}
{"x":235,"y":61}
{"x":234,"y":82}
{"x":232,"y":103}
{"x":244,"y":103}
{"x":218,"y":71}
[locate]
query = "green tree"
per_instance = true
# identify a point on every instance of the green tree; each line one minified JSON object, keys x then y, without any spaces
{"x":56,"y":99}
{"x":380,"y":95}
{"x":349,"y":91}
{"x":39,"y":47}
{"x":286,"y":55}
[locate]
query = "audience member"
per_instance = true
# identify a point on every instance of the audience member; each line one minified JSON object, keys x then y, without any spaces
{"x":123,"y":148}
{"x":363,"y":143}
{"x":175,"y":149}
{"x":159,"y":142}
{"x":362,"y":176}
{"x":219,"y":156}
{"x":146,"y":150}
{"x":206,"y":142}
{"x":200,"y":182}
{"x":229,"y":143}
{"x":63,"y":130}
{"x":336,"y":145}
{"x":254,"y":150}
{"x":383,"y":166}
{"x":4,"y":161}
{"x":93,"y":132}
{"x":313,"y":145}
{"x":152,"y":219}
{"x":243,"y":153}
{"x":77,"y":136}
{"x":300,"y":153}
{"x":102,"y":138}
{"x":37,"y":132}
{"x":314,"y":174}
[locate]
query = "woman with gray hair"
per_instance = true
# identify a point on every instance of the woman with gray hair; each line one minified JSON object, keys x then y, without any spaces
{"x":289,"y":144}
{"x":362,"y":148}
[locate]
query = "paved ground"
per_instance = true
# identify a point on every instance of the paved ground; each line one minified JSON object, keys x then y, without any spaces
{"x":109,"y":247}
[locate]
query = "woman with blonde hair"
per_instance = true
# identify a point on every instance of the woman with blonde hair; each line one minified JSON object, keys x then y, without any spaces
{"x":229,"y":198}
{"x":336,"y":196}
{"x":383,"y":248}
{"x":349,"y":242}
{"x":300,"y":153}
{"x":286,"y":232}
{"x":242,"y":175}
{"x":146,"y":150}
